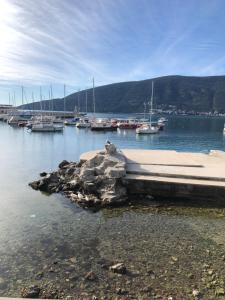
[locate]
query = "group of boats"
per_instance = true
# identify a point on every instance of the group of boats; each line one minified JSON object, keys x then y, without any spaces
{"x":51,"y":123}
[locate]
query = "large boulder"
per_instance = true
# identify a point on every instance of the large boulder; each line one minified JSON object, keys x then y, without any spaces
{"x":97,"y":182}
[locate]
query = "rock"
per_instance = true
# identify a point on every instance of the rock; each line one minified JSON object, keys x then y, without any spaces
{"x":73,"y":184}
{"x":195,"y":293}
{"x":147,"y":289}
{"x":34,"y":185}
{"x":174,"y":258}
{"x":94,"y":162}
{"x":87,"y":174}
{"x":190,"y":275}
{"x":120,"y":291}
{"x":118,"y":268}
{"x":39,"y":275}
{"x":2,"y":283}
{"x":63,"y":164}
{"x":151,"y":274}
{"x":43,"y":174}
{"x":220,"y":291}
{"x":90,"y":276}
{"x":31,"y":292}
{"x":73,"y":260}
{"x":114,"y":172}
{"x":97,"y":182}
{"x":70,"y":170}
{"x":89,"y":186}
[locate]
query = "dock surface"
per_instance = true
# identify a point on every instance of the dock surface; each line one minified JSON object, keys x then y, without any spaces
{"x":172,"y":173}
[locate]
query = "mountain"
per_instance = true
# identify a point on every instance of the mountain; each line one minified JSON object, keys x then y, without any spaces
{"x":183,"y":92}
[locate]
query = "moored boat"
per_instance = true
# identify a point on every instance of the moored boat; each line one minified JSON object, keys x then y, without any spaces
{"x":22,"y":123}
{"x":162,"y":120}
{"x":103,"y":125}
{"x":83,"y":123}
{"x":149,"y":127}
{"x":16,"y":119}
{"x":128,"y":124}
{"x":46,"y":127}
{"x":71,"y":122}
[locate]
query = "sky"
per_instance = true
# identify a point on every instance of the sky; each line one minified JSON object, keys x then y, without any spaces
{"x":57,"y":42}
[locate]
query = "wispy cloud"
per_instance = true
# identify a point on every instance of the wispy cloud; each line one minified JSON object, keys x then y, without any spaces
{"x":69,"y":41}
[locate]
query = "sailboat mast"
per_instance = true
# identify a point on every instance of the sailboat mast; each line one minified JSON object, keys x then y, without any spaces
{"x":9,"y":98}
{"x":14,"y":98}
{"x":22,"y":93}
{"x":33,"y":100}
{"x":94,"y":95}
{"x":78,"y":101}
{"x":144,"y":110}
{"x":49,"y":102}
{"x":41,"y":101}
{"x":64,"y":101}
{"x":151,"y":102}
{"x":86,"y":99}
{"x":52,"y":99}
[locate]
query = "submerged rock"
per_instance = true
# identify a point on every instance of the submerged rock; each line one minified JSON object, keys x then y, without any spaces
{"x":118,"y":268}
{"x":2,"y":283}
{"x":90,"y":276}
{"x":31,"y":292}
{"x":195,"y":293}
{"x":43,"y":174}
{"x":97,"y":182}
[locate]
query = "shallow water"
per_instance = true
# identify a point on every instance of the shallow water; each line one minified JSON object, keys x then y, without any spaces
{"x":168,"y":249}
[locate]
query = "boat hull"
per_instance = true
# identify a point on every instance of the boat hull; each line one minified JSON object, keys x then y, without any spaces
{"x":150,"y":130}
{"x":83,"y":125}
{"x":46,"y":129}
{"x":112,"y":128}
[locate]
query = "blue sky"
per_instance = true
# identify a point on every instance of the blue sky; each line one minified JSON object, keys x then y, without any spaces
{"x":69,"y":41}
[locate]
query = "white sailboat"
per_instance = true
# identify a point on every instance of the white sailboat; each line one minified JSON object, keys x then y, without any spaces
{"x":149,"y":128}
{"x":100,"y":124}
{"x":46,"y":125}
{"x":84,"y":122}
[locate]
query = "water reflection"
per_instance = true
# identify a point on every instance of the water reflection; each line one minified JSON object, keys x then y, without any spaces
{"x":47,"y":240}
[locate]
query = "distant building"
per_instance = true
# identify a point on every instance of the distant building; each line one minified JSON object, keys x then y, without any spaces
{"x":5,"y":108}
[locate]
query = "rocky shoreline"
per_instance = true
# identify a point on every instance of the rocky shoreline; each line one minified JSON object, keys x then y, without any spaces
{"x":97,"y":182}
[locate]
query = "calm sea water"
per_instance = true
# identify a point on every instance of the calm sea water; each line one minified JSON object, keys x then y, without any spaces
{"x":47,"y":235}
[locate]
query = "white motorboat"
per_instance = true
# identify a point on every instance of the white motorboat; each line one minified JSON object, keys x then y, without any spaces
{"x":46,"y":127}
{"x":72,"y":122}
{"x":83,"y":123}
{"x":149,"y":128}
{"x":102,"y":125}
{"x":162,"y":120}
{"x":14,"y":120}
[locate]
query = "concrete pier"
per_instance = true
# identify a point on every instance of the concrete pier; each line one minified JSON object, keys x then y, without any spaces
{"x":174,"y":174}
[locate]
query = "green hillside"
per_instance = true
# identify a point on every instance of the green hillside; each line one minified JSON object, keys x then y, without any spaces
{"x":184,"y":92}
